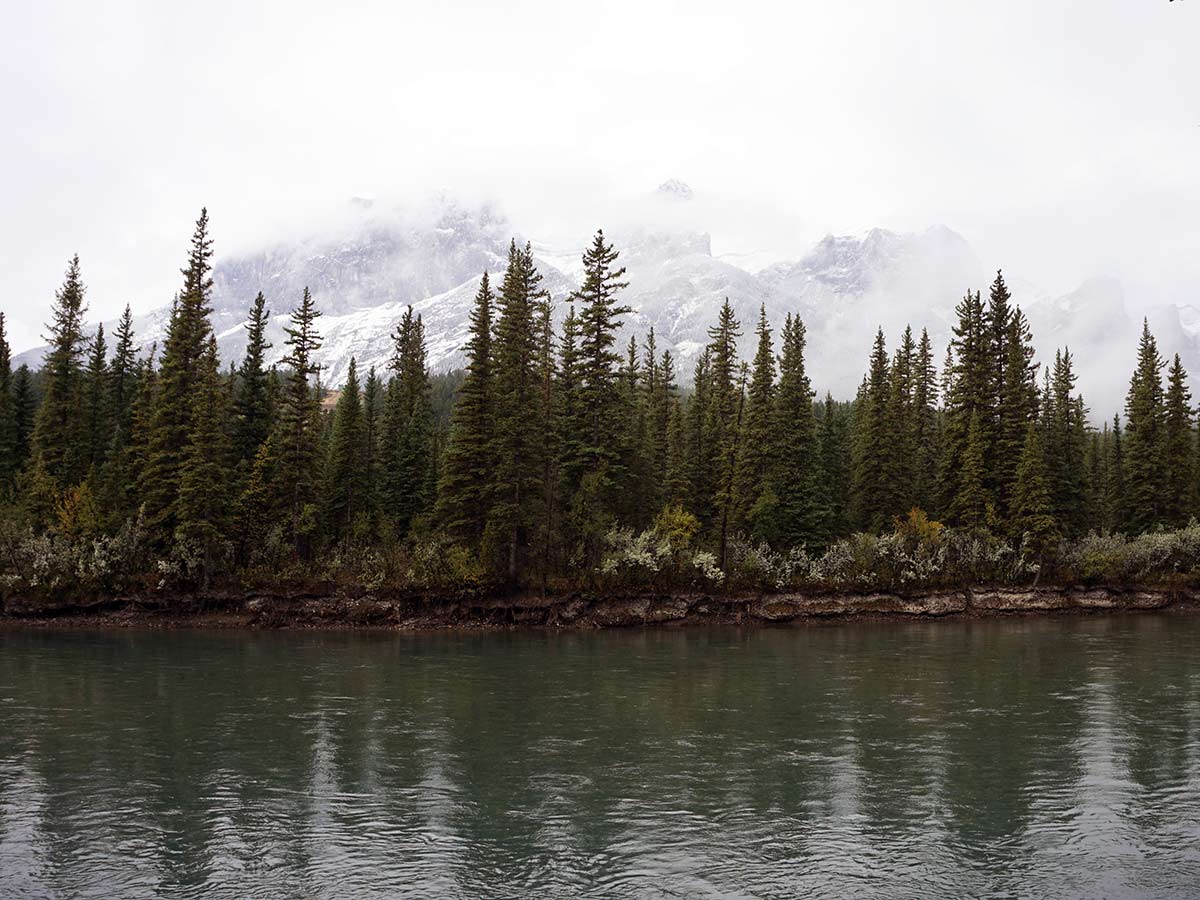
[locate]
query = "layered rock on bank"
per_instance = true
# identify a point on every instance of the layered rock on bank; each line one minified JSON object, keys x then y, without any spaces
{"x":577,"y":610}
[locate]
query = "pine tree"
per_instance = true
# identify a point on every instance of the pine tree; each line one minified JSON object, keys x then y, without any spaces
{"x":756,"y":499}
{"x":664,"y":404}
{"x":547,"y":449}
{"x":202,"y":507}
{"x":296,"y":448}
{"x":122,"y":373}
{"x":678,"y":490}
{"x":925,"y":434}
{"x":655,"y":393}
{"x":95,"y":428}
{"x":833,"y":428}
{"x":24,"y":413}
{"x":968,"y":391}
{"x":8,"y":418}
{"x":998,"y":320}
{"x":465,"y":489}
{"x":972,"y":505}
{"x":699,"y":462}
{"x":252,"y":411}
{"x":1117,"y":515}
{"x":631,"y":505}
{"x":56,"y":426}
{"x":408,"y":429}
{"x":373,"y":395}
{"x":1179,"y":455}
{"x":1032,"y":522}
{"x":722,"y":418}
{"x":517,"y":474}
{"x":901,"y":428}
{"x":1144,"y":439}
{"x":1064,"y":424}
{"x":600,"y":399}
{"x":1017,"y":405}
{"x":796,"y":478}
{"x":873,"y":483}
{"x":346,"y":476}
{"x":572,"y":420}
{"x":178,"y":379}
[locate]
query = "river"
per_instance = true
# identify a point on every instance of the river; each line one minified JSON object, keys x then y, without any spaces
{"x":1035,"y":757}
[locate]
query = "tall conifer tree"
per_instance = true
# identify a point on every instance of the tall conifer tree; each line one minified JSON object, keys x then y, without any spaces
{"x":252,"y":413}
{"x":1145,"y":439}
{"x":465,"y":489}
{"x":1178,"y":452}
{"x":56,"y":428}
{"x":178,"y":378}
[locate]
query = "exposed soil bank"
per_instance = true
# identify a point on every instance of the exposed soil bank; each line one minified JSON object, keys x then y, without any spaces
{"x":581,"y":610}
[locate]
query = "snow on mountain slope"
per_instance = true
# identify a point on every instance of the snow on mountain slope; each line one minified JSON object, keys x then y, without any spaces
{"x":367,"y":268}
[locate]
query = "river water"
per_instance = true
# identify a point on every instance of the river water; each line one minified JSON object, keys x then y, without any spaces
{"x":1054,"y":757}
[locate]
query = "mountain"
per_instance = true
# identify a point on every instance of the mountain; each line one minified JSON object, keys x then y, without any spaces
{"x":367,"y":267}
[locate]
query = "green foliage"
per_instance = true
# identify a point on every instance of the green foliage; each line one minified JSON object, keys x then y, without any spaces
{"x":554,"y":461}
{"x":56,"y":430}
{"x":464,"y":490}
{"x":1144,"y":463}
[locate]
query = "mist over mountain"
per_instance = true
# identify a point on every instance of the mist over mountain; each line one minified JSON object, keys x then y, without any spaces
{"x":365,"y":267}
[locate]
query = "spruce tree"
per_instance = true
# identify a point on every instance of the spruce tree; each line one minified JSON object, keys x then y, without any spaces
{"x":294,"y":455}
{"x":969,"y":391}
{"x":408,"y":429}
{"x":56,"y":430}
{"x":1064,"y":425}
{"x":1179,"y":455}
{"x":1117,"y":514}
{"x":202,"y":506}
{"x":599,"y":320}
{"x":345,"y":473}
{"x":122,"y":374}
{"x":756,"y":500}
{"x":834,"y":431}
{"x":517,"y":475}
{"x":1017,"y":405}
{"x":901,"y":429}
{"x":8,"y":417}
{"x":178,"y":379}
{"x":141,"y":427}
{"x":925,"y":436}
{"x":655,"y":392}
{"x":1031,"y":521}
{"x":24,"y":406}
{"x":373,"y":396}
{"x":465,"y":489}
{"x":699,"y":458}
{"x":678,"y":483}
{"x":722,"y":418}
{"x":1145,"y":434}
{"x":796,"y":477}
{"x":95,"y":427}
{"x":972,"y":504}
{"x":572,"y":420}
{"x":873,"y":481}
{"x":252,"y":412}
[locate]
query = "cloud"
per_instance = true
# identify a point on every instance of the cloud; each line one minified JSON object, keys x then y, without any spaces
{"x":1058,"y":139}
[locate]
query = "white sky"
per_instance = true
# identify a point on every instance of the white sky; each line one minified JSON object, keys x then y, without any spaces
{"x":1062,"y":139}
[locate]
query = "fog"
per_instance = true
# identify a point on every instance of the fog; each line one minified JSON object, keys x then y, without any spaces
{"x":1060,"y":139}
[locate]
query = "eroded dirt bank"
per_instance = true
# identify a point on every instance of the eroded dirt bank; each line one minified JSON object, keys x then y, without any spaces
{"x":410,"y":613}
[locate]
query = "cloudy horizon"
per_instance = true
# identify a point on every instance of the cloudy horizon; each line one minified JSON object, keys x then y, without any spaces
{"x":1060,"y":142}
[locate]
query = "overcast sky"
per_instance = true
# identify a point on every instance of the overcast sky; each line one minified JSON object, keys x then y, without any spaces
{"x":1062,"y":139}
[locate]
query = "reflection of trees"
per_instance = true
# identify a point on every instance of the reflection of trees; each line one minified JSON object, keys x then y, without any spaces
{"x":452,"y":763}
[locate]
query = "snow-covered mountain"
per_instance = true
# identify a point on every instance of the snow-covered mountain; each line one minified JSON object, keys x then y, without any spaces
{"x":367,"y":268}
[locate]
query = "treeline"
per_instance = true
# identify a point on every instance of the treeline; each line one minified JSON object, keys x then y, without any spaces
{"x":561,"y":447}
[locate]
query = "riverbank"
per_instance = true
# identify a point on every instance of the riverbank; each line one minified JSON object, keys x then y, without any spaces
{"x":579,"y":611}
